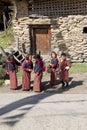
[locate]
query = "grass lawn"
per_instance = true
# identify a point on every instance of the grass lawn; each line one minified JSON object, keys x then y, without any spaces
{"x":1,"y":82}
{"x":75,"y":68}
{"x":6,"y":39}
{"x":78,"y":68}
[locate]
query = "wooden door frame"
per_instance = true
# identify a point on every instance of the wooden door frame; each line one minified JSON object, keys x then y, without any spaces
{"x":32,"y":32}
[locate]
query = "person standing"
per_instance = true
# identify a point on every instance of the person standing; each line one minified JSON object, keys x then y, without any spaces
{"x":54,"y":67}
{"x":38,"y":71}
{"x":64,"y":70}
{"x":27,"y":67}
{"x":11,"y":70}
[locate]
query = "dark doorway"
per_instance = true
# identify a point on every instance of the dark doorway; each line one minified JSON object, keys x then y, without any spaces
{"x":7,"y":12}
{"x":40,"y":39}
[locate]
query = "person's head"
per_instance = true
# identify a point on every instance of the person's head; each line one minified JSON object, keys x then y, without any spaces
{"x":53,"y":55}
{"x":27,"y":57}
{"x":37,"y":57}
{"x":10,"y":57}
{"x":63,"y":56}
{"x":30,"y":57}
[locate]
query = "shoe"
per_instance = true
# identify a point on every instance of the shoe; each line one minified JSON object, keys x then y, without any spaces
{"x":67,"y":84}
{"x":63,"y":84}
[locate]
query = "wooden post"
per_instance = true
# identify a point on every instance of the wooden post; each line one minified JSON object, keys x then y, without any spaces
{"x":3,"y":52}
{"x":4,"y":21}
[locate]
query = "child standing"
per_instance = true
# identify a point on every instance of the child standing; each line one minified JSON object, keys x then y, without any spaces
{"x":54,"y":66}
{"x":11,"y":70}
{"x":38,"y":73}
{"x":64,"y":70}
{"x":27,"y":67}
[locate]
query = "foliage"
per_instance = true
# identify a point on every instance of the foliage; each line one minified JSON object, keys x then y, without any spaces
{"x":2,"y":61}
{"x":6,"y":38}
{"x":2,"y":73}
{"x":2,"y":69}
{"x":1,"y":82}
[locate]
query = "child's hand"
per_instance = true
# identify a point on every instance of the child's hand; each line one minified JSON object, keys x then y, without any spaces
{"x":36,"y":74}
{"x":51,"y":65}
{"x":67,"y":67}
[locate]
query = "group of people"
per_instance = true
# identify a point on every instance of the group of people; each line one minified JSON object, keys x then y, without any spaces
{"x":56,"y":66}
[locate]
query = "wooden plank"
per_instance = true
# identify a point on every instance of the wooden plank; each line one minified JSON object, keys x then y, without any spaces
{"x":58,"y":7}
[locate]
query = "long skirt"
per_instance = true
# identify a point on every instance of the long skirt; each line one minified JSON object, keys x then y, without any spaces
{"x":53,"y":77}
{"x":13,"y":79}
{"x":26,"y":80}
{"x":37,"y":83}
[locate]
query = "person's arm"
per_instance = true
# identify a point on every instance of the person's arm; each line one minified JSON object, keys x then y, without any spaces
{"x":68,"y":65}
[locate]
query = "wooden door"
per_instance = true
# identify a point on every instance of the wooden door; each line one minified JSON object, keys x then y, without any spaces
{"x":41,"y":40}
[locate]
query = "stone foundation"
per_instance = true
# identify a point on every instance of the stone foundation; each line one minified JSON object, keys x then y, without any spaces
{"x":66,"y":33}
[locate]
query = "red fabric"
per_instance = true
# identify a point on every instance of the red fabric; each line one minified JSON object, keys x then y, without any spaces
{"x":52,"y":65}
{"x":13,"y":79}
{"x":64,"y":74}
{"x":37,"y":83}
{"x":37,"y":73}
{"x":26,"y":80}
{"x":53,"y":76}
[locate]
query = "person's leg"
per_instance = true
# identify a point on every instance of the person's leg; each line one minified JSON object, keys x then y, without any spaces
{"x":63,"y":83}
{"x":67,"y":83}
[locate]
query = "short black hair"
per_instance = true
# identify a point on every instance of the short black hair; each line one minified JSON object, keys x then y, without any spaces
{"x":37,"y":56}
{"x":63,"y":54}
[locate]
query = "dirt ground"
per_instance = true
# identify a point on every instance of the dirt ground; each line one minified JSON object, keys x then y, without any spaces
{"x":77,"y":85}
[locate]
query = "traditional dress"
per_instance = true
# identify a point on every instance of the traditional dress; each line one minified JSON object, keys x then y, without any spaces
{"x":11,"y":70}
{"x":54,"y":66}
{"x":27,"y":66}
{"x":64,"y":71}
{"x":38,"y":75}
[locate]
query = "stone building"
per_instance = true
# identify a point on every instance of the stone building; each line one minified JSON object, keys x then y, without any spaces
{"x":52,"y":25}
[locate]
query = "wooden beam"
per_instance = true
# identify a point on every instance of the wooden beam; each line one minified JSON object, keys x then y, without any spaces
{"x":4,"y":21}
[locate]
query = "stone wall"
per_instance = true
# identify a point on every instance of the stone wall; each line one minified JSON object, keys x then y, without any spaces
{"x":66,"y":32}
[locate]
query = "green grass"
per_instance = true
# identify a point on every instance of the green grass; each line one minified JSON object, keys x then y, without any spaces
{"x":1,"y":82}
{"x":6,"y":39}
{"x":19,"y":73}
{"x":75,"y":68}
{"x":78,"y":68}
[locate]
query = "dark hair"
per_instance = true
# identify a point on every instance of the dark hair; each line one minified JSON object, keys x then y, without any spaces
{"x":63,"y":54}
{"x":27,"y":57}
{"x":10,"y":56}
{"x":53,"y":52}
{"x":37,"y":56}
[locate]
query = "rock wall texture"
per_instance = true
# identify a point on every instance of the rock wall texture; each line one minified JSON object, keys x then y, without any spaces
{"x":66,"y":32}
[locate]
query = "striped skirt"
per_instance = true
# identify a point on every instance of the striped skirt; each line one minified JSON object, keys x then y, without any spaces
{"x":37,"y":83}
{"x":13,"y":79}
{"x":26,"y":80}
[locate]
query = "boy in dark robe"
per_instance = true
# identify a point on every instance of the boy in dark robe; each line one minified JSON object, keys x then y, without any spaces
{"x":64,"y":70}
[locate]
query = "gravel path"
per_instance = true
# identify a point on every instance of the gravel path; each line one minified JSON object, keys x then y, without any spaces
{"x":44,"y":111}
{"x":52,"y":109}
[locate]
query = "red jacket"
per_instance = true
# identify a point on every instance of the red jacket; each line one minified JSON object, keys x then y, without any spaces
{"x":64,"y":73}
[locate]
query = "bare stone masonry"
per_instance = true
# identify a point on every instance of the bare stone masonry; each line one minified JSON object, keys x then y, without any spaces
{"x":66,"y":30}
